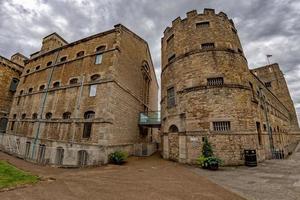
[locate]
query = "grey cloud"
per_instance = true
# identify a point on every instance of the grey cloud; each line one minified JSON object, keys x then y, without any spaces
{"x":265,"y":26}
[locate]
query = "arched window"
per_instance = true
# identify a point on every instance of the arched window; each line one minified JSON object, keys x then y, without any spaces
{"x":42,"y":87}
{"x":48,"y":115}
{"x":66,"y":115}
{"x":30,"y":90}
{"x":23,"y":116}
{"x":34,"y":116}
{"x":73,"y":81}
{"x":80,"y":54}
{"x":49,"y":63}
{"x":37,"y":67}
{"x":173,"y":129}
{"x":14,"y":116}
{"x":89,"y":115}
{"x":100,"y":48}
{"x":28,"y":70}
{"x":14,"y":84}
{"x":56,"y":84}
{"x":21,"y":92}
{"x":63,"y":59}
{"x":95,"y":77}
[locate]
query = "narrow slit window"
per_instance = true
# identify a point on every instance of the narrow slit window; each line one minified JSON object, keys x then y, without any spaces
{"x":171,"y":58}
{"x":170,"y":39}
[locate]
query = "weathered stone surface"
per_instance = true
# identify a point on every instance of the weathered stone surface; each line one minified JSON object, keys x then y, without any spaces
{"x":242,"y":99}
{"x":121,"y":94}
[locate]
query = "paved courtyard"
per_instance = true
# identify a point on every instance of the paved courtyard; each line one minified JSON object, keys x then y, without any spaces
{"x":271,"y":180}
{"x":140,"y":179}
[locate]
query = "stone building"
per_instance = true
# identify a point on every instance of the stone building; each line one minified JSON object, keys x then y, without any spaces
{"x":78,"y":102}
{"x":10,"y":71}
{"x":209,"y":91}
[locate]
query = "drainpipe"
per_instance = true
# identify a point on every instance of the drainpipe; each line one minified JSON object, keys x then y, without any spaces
{"x":42,"y":107}
{"x":268,"y":125}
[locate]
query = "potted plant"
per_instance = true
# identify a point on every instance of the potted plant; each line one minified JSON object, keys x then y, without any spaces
{"x":118,"y":157}
{"x":207,"y":160}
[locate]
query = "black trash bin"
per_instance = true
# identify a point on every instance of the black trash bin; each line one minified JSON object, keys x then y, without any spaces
{"x":250,"y":158}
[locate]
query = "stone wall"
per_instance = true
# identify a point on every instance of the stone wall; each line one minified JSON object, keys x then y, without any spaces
{"x":242,"y":99}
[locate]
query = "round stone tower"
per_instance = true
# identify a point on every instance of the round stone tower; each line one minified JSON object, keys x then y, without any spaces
{"x":205,"y":88}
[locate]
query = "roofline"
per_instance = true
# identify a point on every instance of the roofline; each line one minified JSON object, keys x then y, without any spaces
{"x":11,"y":61}
{"x":54,"y":33}
{"x":72,"y":44}
{"x":18,"y":53}
{"x":269,"y":65}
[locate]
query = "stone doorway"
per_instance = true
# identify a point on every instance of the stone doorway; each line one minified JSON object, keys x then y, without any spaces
{"x":173,"y":143}
{"x":59,"y":156}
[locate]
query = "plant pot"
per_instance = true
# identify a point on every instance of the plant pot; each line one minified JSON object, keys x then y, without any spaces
{"x":214,"y":166}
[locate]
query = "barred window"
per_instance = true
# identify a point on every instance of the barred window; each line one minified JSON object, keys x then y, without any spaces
{"x":268,"y":84}
{"x":221,"y":126}
{"x":171,"y":97}
{"x":48,"y":115}
{"x":208,"y":46}
{"x":215,"y":81}
{"x":66,"y":115}
{"x":202,"y":25}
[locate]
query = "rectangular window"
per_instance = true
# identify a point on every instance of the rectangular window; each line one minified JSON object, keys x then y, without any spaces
{"x":27,"y":150}
{"x":268,"y":84}
{"x":202,"y":25}
{"x":87,"y":129}
{"x":171,"y":97}
{"x":215,"y":81}
{"x":12,"y":125}
{"x":221,"y":126}
{"x":98,"y":59}
{"x":258,"y":128}
{"x":208,"y":46}
{"x":14,"y":84}
{"x":93,"y":90}
{"x":172,"y":57}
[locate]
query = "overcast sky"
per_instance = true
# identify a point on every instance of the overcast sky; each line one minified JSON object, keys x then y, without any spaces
{"x":265,"y":26}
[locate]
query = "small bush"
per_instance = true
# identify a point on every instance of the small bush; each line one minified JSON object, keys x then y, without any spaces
{"x":118,"y":157}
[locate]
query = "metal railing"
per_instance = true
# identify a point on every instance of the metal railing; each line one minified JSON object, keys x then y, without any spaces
{"x":150,"y":118}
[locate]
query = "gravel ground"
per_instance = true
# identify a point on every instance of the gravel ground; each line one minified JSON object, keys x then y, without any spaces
{"x":141,"y":178}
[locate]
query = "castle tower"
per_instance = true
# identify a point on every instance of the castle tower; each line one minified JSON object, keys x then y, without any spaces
{"x":208,"y":91}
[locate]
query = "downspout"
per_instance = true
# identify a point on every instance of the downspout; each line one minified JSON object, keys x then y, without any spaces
{"x":43,"y":106}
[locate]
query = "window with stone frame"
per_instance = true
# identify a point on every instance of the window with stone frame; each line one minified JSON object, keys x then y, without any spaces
{"x":34,"y":116}
{"x":268,"y":84}
{"x":49,"y":63}
{"x":30,"y":90}
{"x":42,"y":87}
{"x":215,"y":81}
{"x":73,"y":81}
{"x":205,"y":24}
{"x":63,"y":59}
{"x":95,"y":77}
{"x":80,"y":54}
{"x":221,"y":126}
{"x":98,"y":59}
{"x":56,"y":84}
{"x":93,"y":90}
{"x":208,"y":46}
{"x":171,"y":97}
{"x":87,"y":127}
{"x":23,"y":116}
{"x":66,"y":115}
{"x":48,"y":115}
{"x":37,"y":67}
{"x":170,"y":39}
{"x":14,"y":84}
{"x":101,"y":48}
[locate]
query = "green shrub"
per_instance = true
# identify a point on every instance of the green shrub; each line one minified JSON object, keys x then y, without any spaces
{"x":207,"y":150}
{"x":207,"y":160}
{"x":118,"y":157}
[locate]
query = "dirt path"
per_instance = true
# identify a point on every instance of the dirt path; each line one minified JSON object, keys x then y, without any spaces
{"x":141,"y":178}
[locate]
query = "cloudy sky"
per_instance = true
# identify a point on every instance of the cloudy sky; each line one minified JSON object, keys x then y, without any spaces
{"x":265,"y":26}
